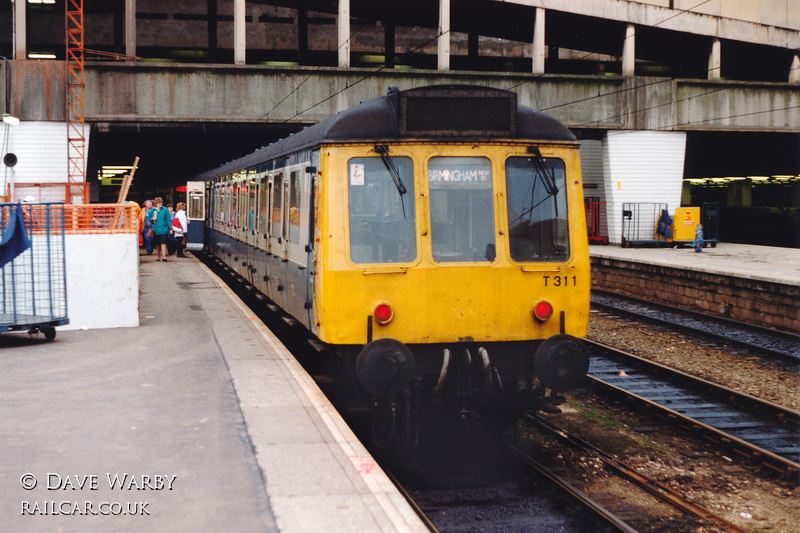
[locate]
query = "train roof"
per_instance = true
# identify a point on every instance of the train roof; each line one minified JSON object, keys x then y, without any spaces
{"x":440,"y":112}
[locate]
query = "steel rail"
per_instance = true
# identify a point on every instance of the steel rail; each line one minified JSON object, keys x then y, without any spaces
{"x":598,"y":511}
{"x":694,"y":315}
{"x":661,"y":492}
{"x":758,"y":456}
{"x":417,"y":509}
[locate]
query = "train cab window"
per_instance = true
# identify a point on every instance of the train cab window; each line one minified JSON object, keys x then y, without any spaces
{"x":277,"y":205}
{"x":295,"y":186}
{"x":462,"y":210}
{"x":537,"y":209}
{"x":382,"y":221}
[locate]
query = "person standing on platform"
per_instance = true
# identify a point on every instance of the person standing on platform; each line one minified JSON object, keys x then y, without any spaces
{"x":179,"y":226}
{"x":146,"y":225}
{"x":162,"y":226}
{"x":171,"y":239}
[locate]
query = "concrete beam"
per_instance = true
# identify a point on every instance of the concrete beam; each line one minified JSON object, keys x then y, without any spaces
{"x":713,"y":23}
{"x":139,"y":93}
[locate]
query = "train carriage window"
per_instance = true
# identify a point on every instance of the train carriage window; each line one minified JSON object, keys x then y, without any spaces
{"x":462,"y":209}
{"x":277,"y":205}
{"x":295,"y":187}
{"x":232,"y":205}
{"x":251,"y":205}
{"x":537,"y":209}
{"x":241,"y":220}
{"x":263,"y":205}
{"x":382,"y":222}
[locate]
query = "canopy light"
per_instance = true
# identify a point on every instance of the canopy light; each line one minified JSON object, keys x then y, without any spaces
{"x":11,"y":121}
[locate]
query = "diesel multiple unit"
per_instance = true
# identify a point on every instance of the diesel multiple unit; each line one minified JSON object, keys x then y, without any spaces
{"x":433,"y":240}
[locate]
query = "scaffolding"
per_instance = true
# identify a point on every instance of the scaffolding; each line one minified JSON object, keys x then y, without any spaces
{"x":76,"y":137}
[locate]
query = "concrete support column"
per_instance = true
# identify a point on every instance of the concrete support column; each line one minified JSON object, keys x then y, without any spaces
{"x":388,"y":42}
{"x":239,"y":32}
{"x":20,"y":25}
{"x":213,"y":40}
{"x":343,"y":22}
{"x":629,"y":51}
{"x":302,"y":36}
{"x":538,"y":42}
{"x":130,"y":27}
{"x":715,"y":60}
{"x":444,"y":35}
{"x":794,"y":71}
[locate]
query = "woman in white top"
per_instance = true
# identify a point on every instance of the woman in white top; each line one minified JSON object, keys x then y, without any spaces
{"x":179,"y":226}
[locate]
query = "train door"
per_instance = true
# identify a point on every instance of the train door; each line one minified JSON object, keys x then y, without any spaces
{"x":250,"y":216}
{"x":196,"y":214}
{"x":310,"y":248}
{"x":276,"y":241}
{"x":284,"y":249}
{"x":259,"y":263}
{"x":296,"y":238}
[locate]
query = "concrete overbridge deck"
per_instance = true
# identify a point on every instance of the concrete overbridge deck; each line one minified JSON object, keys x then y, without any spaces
{"x":198,"y":420}
{"x":756,"y":284}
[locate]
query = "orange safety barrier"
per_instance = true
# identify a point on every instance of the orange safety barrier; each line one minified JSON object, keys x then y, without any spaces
{"x":82,"y":218}
{"x":51,"y":192}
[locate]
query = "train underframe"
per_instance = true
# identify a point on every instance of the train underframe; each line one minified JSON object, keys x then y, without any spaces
{"x":398,"y":384}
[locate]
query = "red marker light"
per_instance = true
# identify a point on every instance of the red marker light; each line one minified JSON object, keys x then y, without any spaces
{"x":383,"y":314}
{"x":542,"y":311}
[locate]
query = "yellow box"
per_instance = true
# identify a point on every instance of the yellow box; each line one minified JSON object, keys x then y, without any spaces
{"x":684,"y":223}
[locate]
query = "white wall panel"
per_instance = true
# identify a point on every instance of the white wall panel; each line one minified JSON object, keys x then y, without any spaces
{"x":641,"y":167}
{"x":41,"y":149}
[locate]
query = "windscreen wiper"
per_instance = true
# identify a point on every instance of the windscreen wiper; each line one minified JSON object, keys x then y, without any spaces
{"x":548,"y":179}
{"x":548,"y":176}
{"x":383,"y":150}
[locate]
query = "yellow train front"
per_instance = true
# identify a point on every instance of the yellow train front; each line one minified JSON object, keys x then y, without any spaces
{"x":433,"y":239}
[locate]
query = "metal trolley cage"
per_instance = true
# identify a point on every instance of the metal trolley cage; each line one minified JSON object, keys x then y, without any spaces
{"x":33,"y":285}
{"x":640,"y":224}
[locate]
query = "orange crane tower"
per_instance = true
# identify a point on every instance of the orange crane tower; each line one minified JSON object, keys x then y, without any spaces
{"x":76,"y":138}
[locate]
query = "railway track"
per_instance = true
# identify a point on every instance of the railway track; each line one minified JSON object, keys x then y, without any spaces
{"x":764,"y":435}
{"x":781,"y":345}
{"x":617,"y":514}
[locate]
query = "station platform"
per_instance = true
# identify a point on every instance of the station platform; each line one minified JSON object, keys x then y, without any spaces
{"x":197,"y":420}
{"x":756,"y":284}
{"x":764,"y":263}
